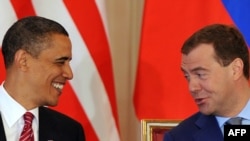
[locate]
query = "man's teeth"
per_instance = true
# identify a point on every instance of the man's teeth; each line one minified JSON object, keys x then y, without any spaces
{"x":58,"y":86}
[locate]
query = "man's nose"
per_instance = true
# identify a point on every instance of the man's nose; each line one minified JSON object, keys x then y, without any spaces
{"x":194,"y":85}
{"x":67,"y":72}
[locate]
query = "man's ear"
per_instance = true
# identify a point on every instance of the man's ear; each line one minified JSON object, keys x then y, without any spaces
{"x":20,"y":59}
{"x":237,"y":66}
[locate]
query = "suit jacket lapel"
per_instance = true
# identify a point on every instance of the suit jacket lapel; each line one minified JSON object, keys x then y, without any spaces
{"x":209,"y":129}
{"x":2,"y":133}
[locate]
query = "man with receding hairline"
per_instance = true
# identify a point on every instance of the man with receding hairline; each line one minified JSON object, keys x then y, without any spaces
{"x":215,"y":63}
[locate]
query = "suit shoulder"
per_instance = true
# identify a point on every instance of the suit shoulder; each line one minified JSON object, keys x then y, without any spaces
{"x":55,"y":115}
{"x":183,"y":131}
{"x":53,"y":124}
{"x":186,"y":126}
{"x":204,"y":127}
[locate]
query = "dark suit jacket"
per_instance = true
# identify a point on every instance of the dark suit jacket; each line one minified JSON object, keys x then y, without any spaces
{"x":54,"y":126}
{"x":198,"y":127}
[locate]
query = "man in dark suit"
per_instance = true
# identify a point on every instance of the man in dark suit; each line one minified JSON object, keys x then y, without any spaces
{"x":37,"y":53}
{"x":215,"y":62}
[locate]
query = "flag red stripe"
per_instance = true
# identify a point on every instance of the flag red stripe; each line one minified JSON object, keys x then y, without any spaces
{"x":88,"y":21}
{"x":68,"y":103}
{"x":161,"y":90}
{"x":23,"y":8}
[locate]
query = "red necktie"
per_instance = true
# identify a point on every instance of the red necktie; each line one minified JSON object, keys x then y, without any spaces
{"x":27,"y":133}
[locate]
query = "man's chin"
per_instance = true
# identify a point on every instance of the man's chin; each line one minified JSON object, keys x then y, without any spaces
{"x":52,"y":104}
{"x":205,"y":111}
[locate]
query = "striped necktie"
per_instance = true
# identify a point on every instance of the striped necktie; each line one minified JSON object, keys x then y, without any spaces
{"x":234,"y":121}
{"x":27,"y":133}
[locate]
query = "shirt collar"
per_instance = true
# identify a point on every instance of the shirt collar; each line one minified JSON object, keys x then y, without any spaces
{"x":10,"y":109}
{"x":245,"y":114}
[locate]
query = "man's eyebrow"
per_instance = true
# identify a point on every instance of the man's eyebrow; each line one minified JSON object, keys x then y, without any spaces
{"x":198,"y":69}
{"x":63,"y":58}
{"x":195,"y":69}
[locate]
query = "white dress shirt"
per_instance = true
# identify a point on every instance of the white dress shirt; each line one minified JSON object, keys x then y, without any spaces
{"x":12,"y":115}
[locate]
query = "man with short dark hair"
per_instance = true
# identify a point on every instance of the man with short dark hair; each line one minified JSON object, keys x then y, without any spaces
{"x":37,"y":54}
{"x":215,"y":62}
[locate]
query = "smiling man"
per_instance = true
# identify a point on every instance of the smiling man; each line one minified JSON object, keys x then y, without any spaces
{"x":215,"y":63}
{"x":37,"y":55}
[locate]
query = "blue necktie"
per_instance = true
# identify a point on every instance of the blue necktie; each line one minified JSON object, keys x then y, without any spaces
{"x":234,"y":121}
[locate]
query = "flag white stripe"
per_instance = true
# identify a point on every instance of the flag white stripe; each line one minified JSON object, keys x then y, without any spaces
{"x":8,"y":17}
{"x":87,"y":82}
{"x":102,"y":10}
